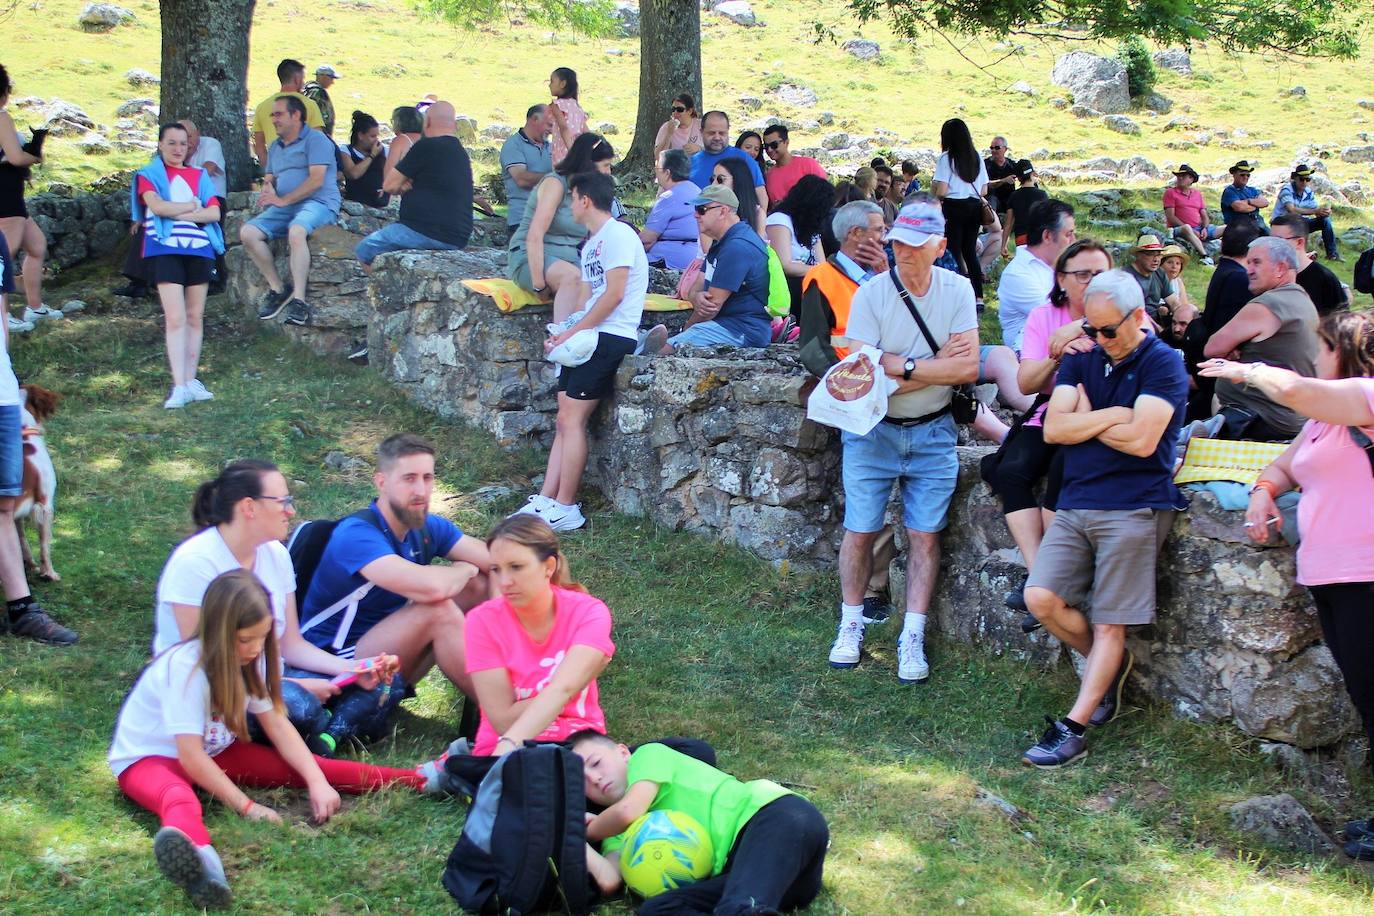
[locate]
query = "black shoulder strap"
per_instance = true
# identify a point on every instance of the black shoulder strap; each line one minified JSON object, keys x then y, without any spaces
{"x":1363,"y":442}
{"x":911,"y":307}
{"x":373,"y":518}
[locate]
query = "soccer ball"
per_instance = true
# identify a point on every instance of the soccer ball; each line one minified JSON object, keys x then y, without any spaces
{"x":664,"y":850}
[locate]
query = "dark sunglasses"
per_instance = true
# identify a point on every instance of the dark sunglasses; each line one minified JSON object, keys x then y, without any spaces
{"x":679,"y":109}
{"x":1082,"y":276}
{"x":1109,"y":332}
{"x":996,"y":147}
{"x":703,"y":208}
{"x":719,"y":179}
{"x":772,"y":144}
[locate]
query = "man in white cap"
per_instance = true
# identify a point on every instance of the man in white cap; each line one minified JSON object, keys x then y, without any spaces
{"x":914,"y":443}
{"x":318,"y":91}
{"x":1145,"y":258}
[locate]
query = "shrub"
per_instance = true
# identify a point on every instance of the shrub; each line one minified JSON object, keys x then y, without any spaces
{"x":1140,"y":66}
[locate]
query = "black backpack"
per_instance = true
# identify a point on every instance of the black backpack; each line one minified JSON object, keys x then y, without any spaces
{"x":523,"y":847}
{"x":1364,"y":272}
{"x":307,"y":542}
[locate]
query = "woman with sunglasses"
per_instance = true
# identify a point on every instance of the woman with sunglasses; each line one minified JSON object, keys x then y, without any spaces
{"x":242,"y":517}
{"x":682,"y":130}
{"x":1053,"y":331}
{"x":734,"y":173}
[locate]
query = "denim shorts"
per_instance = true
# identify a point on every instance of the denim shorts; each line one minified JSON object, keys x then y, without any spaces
{"x":921,"y":457}
{"x":11,"y":450}
{"x":308,"y":214}
{"x":397,"y":237}
{"x":709,"y":334}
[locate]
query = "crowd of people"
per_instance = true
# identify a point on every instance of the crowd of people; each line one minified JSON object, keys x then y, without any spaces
{"x":1111,"y":369}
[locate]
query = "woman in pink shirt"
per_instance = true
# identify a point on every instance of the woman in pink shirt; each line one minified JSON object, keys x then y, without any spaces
{"x":1332,"y":461}
{"x":534,"y":652}
{"x":569,"y":120}
{"x":1186,"y":212}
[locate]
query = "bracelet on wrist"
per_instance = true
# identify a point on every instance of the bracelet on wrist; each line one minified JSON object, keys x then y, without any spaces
{"x":1267,"y":486}
{"x":248,"y":804}
{"x":1248,"y":379}
{"x":513,"y":742}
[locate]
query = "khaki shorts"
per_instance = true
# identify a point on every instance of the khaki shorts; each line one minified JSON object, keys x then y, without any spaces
{"x":1109,"y":554}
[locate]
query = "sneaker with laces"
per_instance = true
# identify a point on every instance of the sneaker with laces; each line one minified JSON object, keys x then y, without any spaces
{"x":1058,"y":747}
{"x":1110,"y":706}
{"x":564,"y":518}
{"x":197,"y":391}
{"x":535,"y":505}
{"x":1207,"y":261}
{"x":37,"y":315}
{"x":912,"y":667}
{"x":849,"y":644}
{"x":433,"y":771}
{"x":272,"y":304}
{"x":297,"y":312}
{"x":180,"y":397}
{"x":197,"y":870}
{"x":19,"y":326}
{"x":877,"y":610}
{"x":35,"y":624}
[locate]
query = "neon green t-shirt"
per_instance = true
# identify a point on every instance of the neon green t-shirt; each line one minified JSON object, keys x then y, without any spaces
{"x":719,"y":801}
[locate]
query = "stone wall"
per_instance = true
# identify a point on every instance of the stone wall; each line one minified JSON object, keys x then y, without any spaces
{"x":80,"y":224}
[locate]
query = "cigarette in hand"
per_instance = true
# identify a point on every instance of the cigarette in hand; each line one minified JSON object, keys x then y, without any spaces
{"x":1268,"y":521}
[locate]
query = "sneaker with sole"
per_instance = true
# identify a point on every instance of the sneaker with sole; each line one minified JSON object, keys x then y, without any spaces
{"x":656,"y":340}
{"x":191,"y":868}
{"x":180,"y":397}
{"x":1110,"y":706}
{"x":35,"y":624}
{"x":1058,"y":747}
{"x":564,"y":518}
{"x":1362,"y":849}
{"x":912,"y":667}
{"x":272,"y":304}
{"x":359,"y":355}
{"x":848,"y":646}
{"x":1029,"y":624}
{"x":197,"y":391}
{"x":1207,"y":261}
{"x":19,"y":326}
{"x":297,"y":312}
{"x":535,"y":505}
{"x":433,"y":771}
{"x":877,"y":610}
{"x":1360,"y":830}
{"x":37,"y":315}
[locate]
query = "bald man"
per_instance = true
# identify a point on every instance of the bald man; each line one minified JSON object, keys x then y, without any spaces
{"x":435,"y":183}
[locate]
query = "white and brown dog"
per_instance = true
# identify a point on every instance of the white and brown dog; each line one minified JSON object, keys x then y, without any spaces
{"x":39,"y":497}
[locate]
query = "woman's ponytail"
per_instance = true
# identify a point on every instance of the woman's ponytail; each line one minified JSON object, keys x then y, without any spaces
{"x":215,"y":499}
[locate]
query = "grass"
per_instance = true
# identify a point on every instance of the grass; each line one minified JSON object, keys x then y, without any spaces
{"x":711,"y":642}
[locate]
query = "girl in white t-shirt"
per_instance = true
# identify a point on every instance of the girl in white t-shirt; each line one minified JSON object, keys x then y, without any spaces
{"x":960,"y":181}
{"x":179,"y":728}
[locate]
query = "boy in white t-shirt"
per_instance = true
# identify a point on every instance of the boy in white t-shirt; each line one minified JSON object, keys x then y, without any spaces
{"x":615,"y":279}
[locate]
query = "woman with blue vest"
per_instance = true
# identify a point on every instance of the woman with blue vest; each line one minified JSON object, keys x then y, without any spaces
{"x":180,"y":215}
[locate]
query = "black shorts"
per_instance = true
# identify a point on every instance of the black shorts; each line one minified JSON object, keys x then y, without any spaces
{"x":595,"y":378}
{"x":181,"y":269}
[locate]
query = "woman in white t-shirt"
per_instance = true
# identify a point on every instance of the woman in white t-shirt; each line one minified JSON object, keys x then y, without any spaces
{"x":178,"y":729}
{"x":794,"y":230}
{"x":960,"y":181}
{"x":243,"y":515}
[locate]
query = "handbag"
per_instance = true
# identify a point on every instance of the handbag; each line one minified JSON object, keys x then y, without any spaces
{"x":963,"y":406}
{"x":690,"y":273}
{"x":987,"y":466}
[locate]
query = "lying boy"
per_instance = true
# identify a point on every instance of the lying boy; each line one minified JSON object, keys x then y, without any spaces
{"x":769,"y":843}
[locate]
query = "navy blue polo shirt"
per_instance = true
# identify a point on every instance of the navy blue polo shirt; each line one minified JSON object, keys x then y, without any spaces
{"x":1097,"y":476}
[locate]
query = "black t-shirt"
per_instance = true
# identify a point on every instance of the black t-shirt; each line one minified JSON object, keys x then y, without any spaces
{"x":439,"y":203}
{"x":366,"y":190}
{"x":1227,"y":293}
{"x":1020,"y":203}
{"x":1323,"y":286}
{"x":1000,"y":196}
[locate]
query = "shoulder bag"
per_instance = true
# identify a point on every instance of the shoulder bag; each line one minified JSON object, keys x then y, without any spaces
{"x":964,"y":405}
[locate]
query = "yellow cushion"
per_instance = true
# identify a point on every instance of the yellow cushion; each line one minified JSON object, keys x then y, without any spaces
{"x":656,"y":302}
{"x":509,"y":296}
{"x":1227,"y":459}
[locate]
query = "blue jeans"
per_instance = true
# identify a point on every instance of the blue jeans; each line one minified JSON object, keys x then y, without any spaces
{"x":921,"y":458}
{"x":397,"y":237}
{"x":355,"y":712}
{"x":11,"y":450}
{"x":714,"y":334}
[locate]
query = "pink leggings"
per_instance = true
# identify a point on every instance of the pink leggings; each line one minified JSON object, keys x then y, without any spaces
{"x":162,"y":786}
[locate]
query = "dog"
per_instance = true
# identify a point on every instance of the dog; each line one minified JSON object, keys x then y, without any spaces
{"x":37,"y":501}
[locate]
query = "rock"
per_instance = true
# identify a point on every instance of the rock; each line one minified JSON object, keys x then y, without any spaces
{"x":862,"y":48}
{"x":489,"y":495}
{"x":102,"y":17}
{"x":1298,"y":91}
{"x":825,"y":119}
{"x":93,"y":144}
{"x":28,"y":101}
{"x":1121,"y":124}
{"x":627,"y":19}
{"x":737,"y":11}
{"x":1175,"y":59}
{"x":467,"y":128}
{"x":1083,"y":111}
{"x":839,"y":140}
{"x":1366,"y":103}
{"x":606,"y":128}
{"x":750,"y":102}
{"x":1157,"y":103}
{"x":135,"y":107}
{"x":1358,"y":154}
{"x":1182,"y":122}
{"x":498,"y":131}
{"x":1023,"y":87}
{"x":1096,"y":82}
{"x":66,"y":119}
{"x":1279,"y":821}
{"x":72,"y":305}
{"x":799,"y":96}
{"x":1137,"y":166}
{"x":137,"y":78}
{"x":1059,"y":102}
{"x":338,"y":461}
{"x":389,"y":71}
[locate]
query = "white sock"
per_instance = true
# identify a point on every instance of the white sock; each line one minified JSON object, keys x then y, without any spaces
{"x":914,"y":623}
{"x":851,"y":613}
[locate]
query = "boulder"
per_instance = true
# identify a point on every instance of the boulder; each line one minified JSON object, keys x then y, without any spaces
{"x":1157,"y":103}
{"x":65,"y":119}
{"x":134,"y":108}
{"x":862,"y":48}
{"x":737,"y":11}
{"x":1022,"y":87}
{"x":1121,"y":124}
{"x":1182,"y":122}
{"x":825,"y":119}
{"x":467,"y":128}
{"x":1175,"y":59}
{"x":102,"y":17}
{"x":138,"y":78}
{"x":750,"y":102}
{"x":1083,"y":111}
{"x":1279,"y":821}
{"x":607,"y":129}
{"x":1299,"y":91}
{"x":627,"y":19}
{"x":93,"y":144}
{"x":1358,"y":154}
{"x":1366,"y":103}
{"x":839,"y":140}
{"x":28,"y":101}
{"x":497,"y":131}
{"x":1096,"y":82}
{"x":1059,"y":102}
{"x":799,"y":96}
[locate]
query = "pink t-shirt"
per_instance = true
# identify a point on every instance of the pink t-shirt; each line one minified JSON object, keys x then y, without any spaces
{"x":1334,"y":513}
{"x":1188,"y":205}
{"x":577,"y":126}
{"x":1041,"y":324}
{"x":781,"y":178}
{"x":677,"y":138}
{"x":495,"y":639}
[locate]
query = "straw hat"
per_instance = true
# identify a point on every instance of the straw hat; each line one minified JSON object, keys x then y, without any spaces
{"x":1150,"y":243}
{"x":1174,"y":251}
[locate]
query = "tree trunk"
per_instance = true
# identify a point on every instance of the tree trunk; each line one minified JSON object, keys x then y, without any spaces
{"x":205,"y":74}
{"x":669,"y":63}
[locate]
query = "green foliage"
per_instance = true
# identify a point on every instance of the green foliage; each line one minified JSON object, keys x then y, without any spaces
{"x":593,"y":18}
{"x":1140,"y":66}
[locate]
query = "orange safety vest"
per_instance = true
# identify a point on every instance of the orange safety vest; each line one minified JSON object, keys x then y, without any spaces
{"x":838,"y":289}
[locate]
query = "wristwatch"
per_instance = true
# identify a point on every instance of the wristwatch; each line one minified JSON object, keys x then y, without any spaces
{"x":908,"y":367}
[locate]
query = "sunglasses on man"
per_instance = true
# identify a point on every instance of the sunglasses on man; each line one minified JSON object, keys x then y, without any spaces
{"x":703,"y":208}
{"x":772,"y":144}
{"x":1108,"y":331}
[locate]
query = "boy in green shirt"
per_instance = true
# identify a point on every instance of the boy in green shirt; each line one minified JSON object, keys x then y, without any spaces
{"x":769,"y":843}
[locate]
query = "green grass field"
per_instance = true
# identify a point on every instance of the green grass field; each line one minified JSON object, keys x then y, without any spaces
{"x":711,"y":643}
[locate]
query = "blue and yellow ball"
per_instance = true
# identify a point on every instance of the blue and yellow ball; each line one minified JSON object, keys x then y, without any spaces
{"x":664,"y":850}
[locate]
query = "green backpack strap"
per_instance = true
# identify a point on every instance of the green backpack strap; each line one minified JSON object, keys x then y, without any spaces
{"x":779,"y":296}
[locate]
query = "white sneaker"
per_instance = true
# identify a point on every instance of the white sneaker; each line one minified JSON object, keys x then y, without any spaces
{"x":564,"y":518}
{"x":911,"y":658}
{"x":535,"y":505}
{"x":180,"y":397}
{"x":849,"y":643}
{"x":1208,"y":261}
{"x":197,"y":391}
{"x":18,"y":326}
{"x":40,"y":314}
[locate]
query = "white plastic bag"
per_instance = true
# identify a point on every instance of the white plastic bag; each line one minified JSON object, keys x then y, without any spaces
{"x":852,"y":395}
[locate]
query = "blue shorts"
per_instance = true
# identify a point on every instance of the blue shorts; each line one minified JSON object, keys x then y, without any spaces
{"x":711,"y":334}
{"x":308,"y":214}
{"x":397,"y":237}
{"x":11,"y":450}
{"x":983,"y":352}
{"x":921,"y":457}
